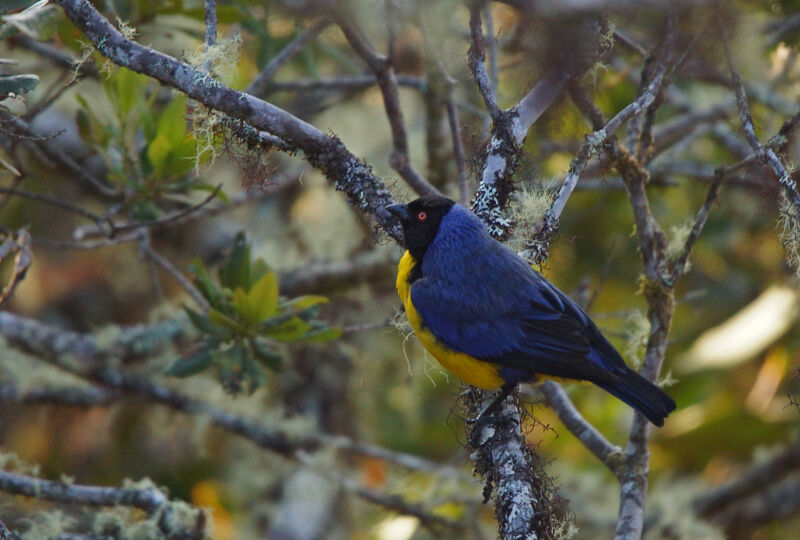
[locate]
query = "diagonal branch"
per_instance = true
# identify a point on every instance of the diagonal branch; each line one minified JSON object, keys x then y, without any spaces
{"x":477,"y":60}
{"x":537,"y":247}
{"x":260,"y":84}
{"x":699,"y":222}
{"x":381,"y":67}
{"x":51,"y":344}
{"x":327,"y":153}
{"x":610,"y":455}
{"x":765,"y":154}
{"x":755,"y":479}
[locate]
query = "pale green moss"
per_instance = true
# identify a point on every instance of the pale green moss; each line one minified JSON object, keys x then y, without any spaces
{"x":677,"y":240}
{"x":48,"y":525}
{"x":637,"y":329}
{"x":528,"y":213}
{"x":789,"y":232}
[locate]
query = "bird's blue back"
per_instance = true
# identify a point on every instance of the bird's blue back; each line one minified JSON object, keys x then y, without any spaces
{"x":478,"y":297}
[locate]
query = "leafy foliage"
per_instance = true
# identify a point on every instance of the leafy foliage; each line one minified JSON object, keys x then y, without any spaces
{"x":246,"y":320}
{"x":148,"y":147}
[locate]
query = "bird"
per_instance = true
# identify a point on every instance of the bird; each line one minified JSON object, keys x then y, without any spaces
{"x":493,"y":321}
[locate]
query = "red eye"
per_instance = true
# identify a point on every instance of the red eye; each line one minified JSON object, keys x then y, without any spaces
{"x":422,"y":216}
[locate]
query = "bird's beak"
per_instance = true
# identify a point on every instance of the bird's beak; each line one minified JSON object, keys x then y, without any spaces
{"x":400,"y":211}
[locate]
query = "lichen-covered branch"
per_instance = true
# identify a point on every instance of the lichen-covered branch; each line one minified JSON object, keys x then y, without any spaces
{"x":526,"y":505}
{"x":80,"y":355}
{"x":153,"y":501}
{"x":327,"y":153}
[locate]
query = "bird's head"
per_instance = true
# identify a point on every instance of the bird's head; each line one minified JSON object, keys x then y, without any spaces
{"x":420,"y":220}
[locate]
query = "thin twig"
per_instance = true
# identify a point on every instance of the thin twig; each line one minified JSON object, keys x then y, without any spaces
{"x":699,"y":222}
{"x":387,"y":81}
{"x":477,"y":60}
{"x":211,"y":30}
{"x":22,"y":127}
{"x":345,"y":82}
{"x":81,"y":233}
{"x":148,"y":251}
{"x":20,"y":245}
{"x":766,"y":155}
{"x":261,"y":84}
{"x":52,"y":201}
{"x":458,"y":148}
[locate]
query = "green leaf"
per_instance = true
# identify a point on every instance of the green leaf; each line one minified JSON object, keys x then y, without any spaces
{"x":220,"y":319}
{"x":262,"y":298}
{"x":200,"y":321}
{"x":38,"y":22}
{"x":242,"y":306}
{"x":292,"y":330}
{"x":205,"y":284}
{"x":305,"y":302}
{"x":17,"y":84}
{"x":191,"y":364}
{"x":265,"y":354}
{"x":171,"y":122}
{"x":125,"y":88}
{"x":235,"y":271}
{"x":323,"y":334}
{"x":158,"y":150}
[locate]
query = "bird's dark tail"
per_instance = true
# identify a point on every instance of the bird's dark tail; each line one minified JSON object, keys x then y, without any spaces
{"x":641,"y":394}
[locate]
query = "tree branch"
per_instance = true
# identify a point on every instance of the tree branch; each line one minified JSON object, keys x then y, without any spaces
{"x":610,"y":455}
{"x":151,"y":500}
{"x":387,"y":81}
{"x":327,"y":153}
{"x":766,"y":155}
{"x":755,"y":479}
{"x":51,"y":344}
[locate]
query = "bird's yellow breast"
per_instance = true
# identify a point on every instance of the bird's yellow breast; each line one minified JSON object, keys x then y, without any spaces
{"x":470,"y":370}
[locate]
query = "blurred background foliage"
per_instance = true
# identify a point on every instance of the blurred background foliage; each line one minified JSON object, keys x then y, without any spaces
{"x":731,"y":366}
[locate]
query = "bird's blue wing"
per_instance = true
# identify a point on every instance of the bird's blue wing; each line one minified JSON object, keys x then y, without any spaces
{"x":511,"y":316}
